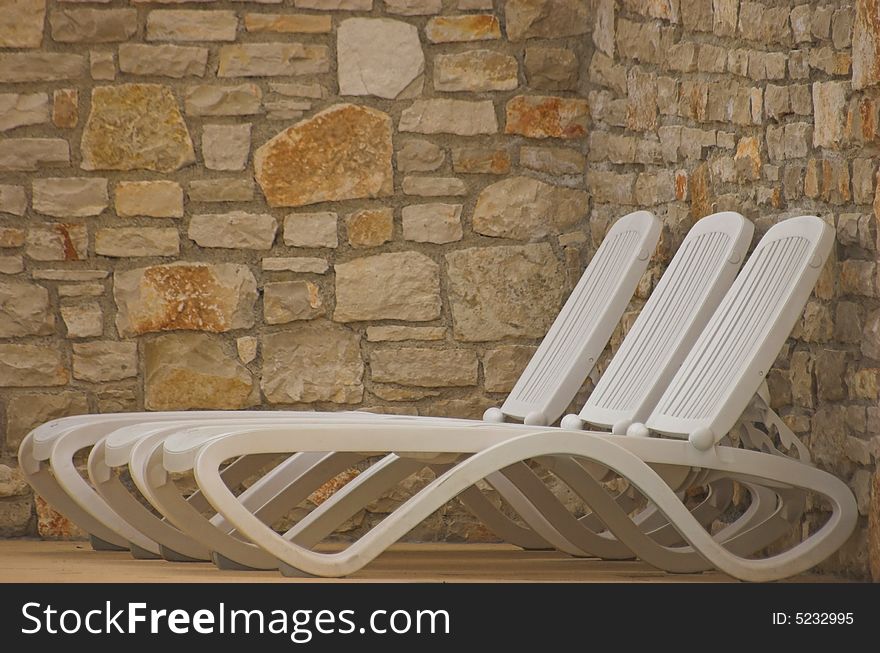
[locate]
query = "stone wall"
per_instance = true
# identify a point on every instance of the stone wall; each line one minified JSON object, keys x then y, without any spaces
{"x":770,"y":109}
{"x":381,"y":204}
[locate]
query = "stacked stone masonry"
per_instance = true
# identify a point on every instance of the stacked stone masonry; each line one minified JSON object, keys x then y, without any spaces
{"x":381,"y":204}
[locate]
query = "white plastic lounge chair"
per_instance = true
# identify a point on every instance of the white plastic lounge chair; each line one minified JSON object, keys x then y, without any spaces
{"x":574,"y":342}
{"x":668,"y":325}
{"x":703,"y":402}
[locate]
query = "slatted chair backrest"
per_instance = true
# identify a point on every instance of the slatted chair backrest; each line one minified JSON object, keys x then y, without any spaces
{"x":672,"y":319}
{"x":579,"y":334}
{"x":734,"y":353}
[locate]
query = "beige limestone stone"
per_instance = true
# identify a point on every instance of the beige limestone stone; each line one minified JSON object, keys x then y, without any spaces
{"x":12,"y":200}
{"x":192,"y":370}
{"x":305,"y":264}
{"x":311,"y":230}
{"x":29,"y":154}
{"x":608,"y":187}
{"x":12,"y":483}
{"x":135,"y":127}
{"x":398,"y":333}
{"x":418,"y":155}
{"x":163,"y":60}
{"x":57,"y":241}
{"x":398,"y":286}
{"x":502,"y":366}
{"x":369,"y":227}
{"x":81,"y":290}
{"x":335,"y":5}
{"x":299,"y":89}
{"x":226,"y":147}
{"x":104,"y":361}
{"x":286,"y":301}
{"x":154,"y":199}
{"x":603,"y":29}
{"x":21,"y":23}
{"x":11,"y":264}
{"x":476,"y":71}
{"x":395,"y":393}
{"x":527,"y":209}
{"x":481,"y":160}
{"x":16,"y":516}
{"x":527,"y":19}
{"x":343,"y":152}
{"x":70,"y":275}
{"x":465,"y":27}
{"x":117,"y":400}
{"x":22,"y":109}
{"x":70,"y":196}
{"x":432,"y":223}
{"x":65,"y":108}
{"x":234,"y":230}
{"x":829,"y":100}
{"x":184,"y":296}
{"x":866,"y":44}
{"x":40,"y":66}
{"x":93,"y":25}
{"x":25,"y":310}
{"x":414,"y":7}
{"x":28,"y":410}
{"x":874,"y":528}
{"x":22,"y":366}
{"x":434,"y":186}
{"x":187,"y":25}
{"x":378,"y":56}
{"x":551,"y":69}
{"x":286,"y":109}
{"x":124,"y":242}
{"x":312,"y":361}
{"x":210,"y":100}
{"x":538,"y":116}
{"x":102,"y":65}
{"x":552,"y":160}
{"x":234,"y":189}
{"x":443,"y":116}
{"x":272,"y":59}
{"x":502,"y":292}
{"x":428,"y":368}
{"x":287,"y":23}
{"x":247,"y":347}
{"x":83,"y":320}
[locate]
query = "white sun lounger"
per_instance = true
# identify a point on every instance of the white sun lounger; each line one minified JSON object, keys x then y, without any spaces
{"x":573,"y":343}
{"x":668,"y":325}
{"x":703,"y":402}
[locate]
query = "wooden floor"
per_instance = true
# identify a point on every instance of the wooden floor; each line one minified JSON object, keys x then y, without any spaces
{"x":34,"y":561}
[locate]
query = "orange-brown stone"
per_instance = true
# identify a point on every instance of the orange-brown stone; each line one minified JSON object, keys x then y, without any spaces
{"x":65,"y":112}
{"x":468,"y":27}
{"x":370,"y":227}
{"x":700,"y":192}
{"x":52,"y":525}
{"x":538,"y":116}
{"x":748,"y":158}
{"x":185,"y":296}
{"x":341,"y":153}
